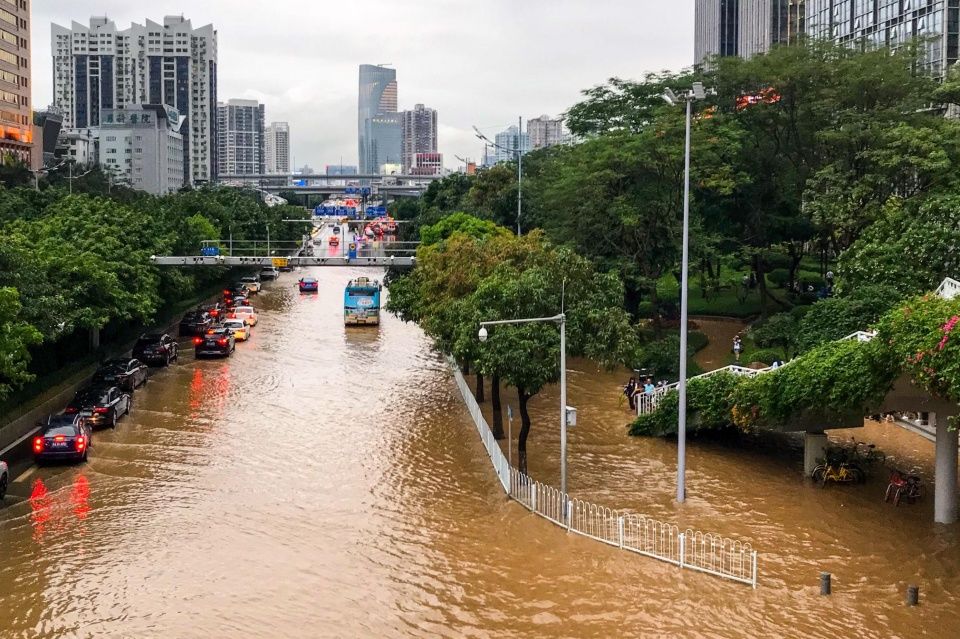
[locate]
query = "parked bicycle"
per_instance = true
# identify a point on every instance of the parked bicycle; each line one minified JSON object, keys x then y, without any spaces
{"x":903,"y":486}
{"x":843,"y":472}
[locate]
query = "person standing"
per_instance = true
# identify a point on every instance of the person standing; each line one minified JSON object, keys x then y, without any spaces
{"x":737,"y":347}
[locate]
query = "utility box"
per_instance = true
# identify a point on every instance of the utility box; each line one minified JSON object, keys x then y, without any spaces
{"x":571,"y":416}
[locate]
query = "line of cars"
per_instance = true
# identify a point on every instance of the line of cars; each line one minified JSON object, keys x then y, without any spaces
{"x":215,"y":329}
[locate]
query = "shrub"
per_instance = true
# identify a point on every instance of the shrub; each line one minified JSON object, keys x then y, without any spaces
{"x":779,"y":277}
{"x":766,"y":356}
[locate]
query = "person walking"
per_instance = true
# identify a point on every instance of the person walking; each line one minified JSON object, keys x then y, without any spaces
{"x":737,"y":347}
{"x":648,"y":387}
{"x":630,"y":390}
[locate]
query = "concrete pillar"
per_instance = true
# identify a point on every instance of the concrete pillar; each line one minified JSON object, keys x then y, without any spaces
{"x":814,"y":448}
{"x":945,"y":477}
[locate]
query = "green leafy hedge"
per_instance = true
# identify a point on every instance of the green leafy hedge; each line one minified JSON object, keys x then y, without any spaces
{"x":835,"y":381}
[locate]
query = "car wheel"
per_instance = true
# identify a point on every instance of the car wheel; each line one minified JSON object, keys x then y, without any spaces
{"x":85,"y":454}
{"x":113,"y":421}
{"x":3,"y":487}
{"x":129,"y":406}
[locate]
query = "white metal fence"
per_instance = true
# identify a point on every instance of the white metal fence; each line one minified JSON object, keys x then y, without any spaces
{"x":690,"y":549}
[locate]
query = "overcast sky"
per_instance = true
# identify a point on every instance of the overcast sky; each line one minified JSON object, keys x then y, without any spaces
{"x":478,"y":62}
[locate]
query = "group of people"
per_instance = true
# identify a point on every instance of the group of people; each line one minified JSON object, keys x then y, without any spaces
{"x":634,"y":388}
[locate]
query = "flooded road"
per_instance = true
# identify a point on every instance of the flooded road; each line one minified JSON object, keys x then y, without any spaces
{"x":328,"y":483}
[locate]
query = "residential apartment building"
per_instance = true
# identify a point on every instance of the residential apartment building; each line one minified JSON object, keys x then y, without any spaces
{"x":240,"y":138}
{"x":508,"y":142}
{"x":892,"y":23}
{"x":277,"y":148}
{"x":16,"y":109}
{"x":419,"y":134}
{"x":98,"y":68}
{"x":546,"y":131}
{"x":426,"y":164}
{"x":380,"y":134}
{"x":746,"y":28}
{"x":141,"y":146}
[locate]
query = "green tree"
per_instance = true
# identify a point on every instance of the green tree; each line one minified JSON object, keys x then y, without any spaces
{"x":16,"y":336}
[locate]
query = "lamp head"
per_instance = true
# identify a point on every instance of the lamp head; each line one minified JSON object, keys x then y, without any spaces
{"x":698,"y":91}
{"x":483,"y":334}
{"x":669,"y":96}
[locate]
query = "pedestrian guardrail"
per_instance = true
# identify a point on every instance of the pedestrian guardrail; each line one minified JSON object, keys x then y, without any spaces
{"x":687,"y":549}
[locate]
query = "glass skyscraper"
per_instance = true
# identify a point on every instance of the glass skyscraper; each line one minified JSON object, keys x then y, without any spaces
{"x":892,"y":23}
{"x":378,"y":123}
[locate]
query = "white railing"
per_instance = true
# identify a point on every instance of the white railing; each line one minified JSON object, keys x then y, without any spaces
{"x":949,"y":289}
{"x":703,"y":552}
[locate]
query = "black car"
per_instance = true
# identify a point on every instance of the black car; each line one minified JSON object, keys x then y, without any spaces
{"x":62,"y":437}
{"x":195,"y":323}
{"x":233,"y":302}
{"x":127,"y":373}
{"x":218,"y":341}
{"x":156,"y":348}
{"x":100,"y":405}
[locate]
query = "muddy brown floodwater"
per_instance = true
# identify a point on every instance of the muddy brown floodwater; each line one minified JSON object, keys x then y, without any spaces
{"x":325,"y":482}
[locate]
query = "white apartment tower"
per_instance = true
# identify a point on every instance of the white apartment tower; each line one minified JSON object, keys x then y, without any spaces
{"x":240,"y":138}
{"x":98,"y":68}
{"x":277,"y":148}
{"x":546,"y":131}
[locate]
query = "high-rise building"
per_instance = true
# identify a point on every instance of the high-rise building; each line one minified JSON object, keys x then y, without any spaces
{"x":934,"y":23}
{"x":509,"y":142}
{"x":341,"y":169}
{"x":419,"y":134}
{"x":277,"y":148}
{"x":378,"y":123}
{"x":426,"y":164}
{"x":98,"y":67}
{"x":745,"y":28}
{"x":240,"y":138}
{"x":546,"y":131}
{"x":16,"y":110}
{"x":141,"y":145}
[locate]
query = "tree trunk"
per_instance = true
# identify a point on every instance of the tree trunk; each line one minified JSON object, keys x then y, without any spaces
{"x":479,"y":392}
{"x":655,"y":301}
{"x":497,"y":412}
{"x":524,"y":431}
{"x":466,"y":368}
{"x":94,"y":340}
{"x":761,"y":284}
{"x":796,"y":256}
{"x":631,"y":298}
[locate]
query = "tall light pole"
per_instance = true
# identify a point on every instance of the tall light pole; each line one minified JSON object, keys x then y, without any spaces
{"x":518,"y":149}
{"x":560,"y":319}
{"x":696,"y":93}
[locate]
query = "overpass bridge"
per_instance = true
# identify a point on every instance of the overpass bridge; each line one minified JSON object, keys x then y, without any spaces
{"x":904,"y":397}
{"x":395,"y":185}
{"x":314,"y":250}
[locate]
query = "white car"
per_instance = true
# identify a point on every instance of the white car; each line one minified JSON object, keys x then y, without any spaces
{"x":245,"y":313}
{"x":269,"y":273}
{"x":4,"y":479}
{"x":252,"y":282}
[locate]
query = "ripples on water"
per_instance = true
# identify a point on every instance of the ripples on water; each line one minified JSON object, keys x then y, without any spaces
{"x":326,"y":482}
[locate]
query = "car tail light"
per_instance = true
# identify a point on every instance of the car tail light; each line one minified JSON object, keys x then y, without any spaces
{"x":222,"y":342}
{"x":214,"y":313}
{"x":81,"y":443}
{"x":197,"y":340}
{"x":100,"y":410}
{"x":37,"y":444}
{"x":70,"y":410}
{"x":60,"y":438}
{"x":226,"y":291}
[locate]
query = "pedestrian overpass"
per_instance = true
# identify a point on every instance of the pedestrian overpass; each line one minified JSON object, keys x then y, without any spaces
{"x":904,"y":397}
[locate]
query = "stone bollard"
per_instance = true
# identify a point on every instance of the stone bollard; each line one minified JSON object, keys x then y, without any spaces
{"x":824,"y":583}
{"x":913,"y":595}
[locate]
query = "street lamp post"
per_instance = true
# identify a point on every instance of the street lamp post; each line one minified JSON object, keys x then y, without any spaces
{"x":560,"y":319}
{"x":518,"y":149}
{"x":696,"y":93}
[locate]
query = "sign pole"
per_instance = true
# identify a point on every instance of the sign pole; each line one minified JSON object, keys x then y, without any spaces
{"x":509,"y":436}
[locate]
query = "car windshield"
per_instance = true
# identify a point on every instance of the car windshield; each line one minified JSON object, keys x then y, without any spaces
{"x":61,"y":421}
{"x":309,"y":280}
{"x":249,"y":279}
{"x":90,"y":396}
{"x":234,"y":325}
{"x":146,"y":340}
{"x":220,"y":330}
{"x":60,"y":429}
{"x":243,"y":310}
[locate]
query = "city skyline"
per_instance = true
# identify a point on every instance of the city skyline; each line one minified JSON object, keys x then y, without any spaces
{"x":311,"y":82}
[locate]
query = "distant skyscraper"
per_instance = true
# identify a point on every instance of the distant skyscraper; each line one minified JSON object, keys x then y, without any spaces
{"x":746,"y":28}
{"x":378,"y":123}
{"x":16,"y":113}
{"x":277,"y":148}
{"x":142,"y":146}
{"x":546,"y":131}
{"x":240,"y":137}
{"x":341,"y":169}
{"x":419,"y":134}
{"x":509,"y":142}
{"x":98,"y":67}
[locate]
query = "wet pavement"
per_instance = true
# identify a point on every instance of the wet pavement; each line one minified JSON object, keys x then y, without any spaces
{"x":326,"y":482}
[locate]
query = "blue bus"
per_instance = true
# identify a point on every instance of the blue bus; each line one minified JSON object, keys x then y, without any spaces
{"x":361,"y":302}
